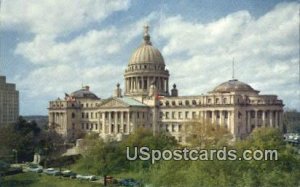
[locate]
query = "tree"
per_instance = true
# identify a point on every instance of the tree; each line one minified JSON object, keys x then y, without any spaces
{"x":20,"y":137}
{"x":283,"y":172}
{"x":203,"y":134}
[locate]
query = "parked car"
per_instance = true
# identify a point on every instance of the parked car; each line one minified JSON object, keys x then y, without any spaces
{"x":33,"y":168}
{"x":129,"y":182}
{"x":52,"y":171}
{"x":86,"y":177}
{"x":68,"y":173}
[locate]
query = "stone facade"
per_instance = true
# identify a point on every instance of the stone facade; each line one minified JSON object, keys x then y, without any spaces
{"x":9,"y":102}
{"x":148,"y":103}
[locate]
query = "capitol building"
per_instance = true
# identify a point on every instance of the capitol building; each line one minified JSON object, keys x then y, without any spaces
{"x":148,"y":102}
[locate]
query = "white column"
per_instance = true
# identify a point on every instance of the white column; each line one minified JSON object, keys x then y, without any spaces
{"x":109,"y":122}
{"x":276,"y":119}
{"x":103,"y":123}
{"x":116,"y":122}
{"x":122,"y":122}
{"x":264,"y":118}
{"x":256,"y":118}
{"x":271,"y":118}
{"x":128,"y":122}
{"x":248,"y":121}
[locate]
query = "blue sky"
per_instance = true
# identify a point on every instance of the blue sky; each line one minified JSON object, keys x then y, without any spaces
{"x":49,"y":47}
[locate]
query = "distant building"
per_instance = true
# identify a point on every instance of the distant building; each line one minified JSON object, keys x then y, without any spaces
{"x":148,"y":103}
{"x":9,"y":102}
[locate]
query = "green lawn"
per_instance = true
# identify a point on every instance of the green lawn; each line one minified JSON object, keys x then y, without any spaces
{"x":41,"y":180}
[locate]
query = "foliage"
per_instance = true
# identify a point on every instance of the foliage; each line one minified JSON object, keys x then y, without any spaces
{"x":283,"y":172}
{"x":103,"y":158}
{"x":205,"y":134}
{"x":24,"y":138}
{"x":19,"y":137}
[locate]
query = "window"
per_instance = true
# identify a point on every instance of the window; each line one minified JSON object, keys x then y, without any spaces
{"x":186,"y":115}
{"x":173,"y":115}
{"x":82,"y":126}
{"x":92,"y":115}
{"x":73,"y":125}
{"x":187,"y":102}
{"x":173,"y":103}
{"x":92,"y":126}
{"x":194,"y":102}
{"x":252,"y":114}
{"x":225,"y":101}
{"x":167,"y":128}
{"x":96,"y":126}
{"x":179,"y":127}
{"x":173,"y":128}
{"x":193,"y":115}
{"x":112,"y":128}
{"x":167,"y":103}
{"x":179,"y":115}
{"x":179,"y":139}
{"x":180,"y":103}
{"x":73,"y":115}
{"x":125,"y":128}
{"x":167,"y":115}
{"x":82,"y":115}
{"x":208,"y":101}
{"x":217,"y":100}
{"x":87,"y":105}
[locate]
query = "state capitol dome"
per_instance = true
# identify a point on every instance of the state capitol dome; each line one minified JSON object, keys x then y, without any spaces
{"x":146,"y":53}
{"x":234,"y":86}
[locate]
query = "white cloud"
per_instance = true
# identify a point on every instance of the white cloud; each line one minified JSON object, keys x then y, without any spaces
{"x":56,"y":16}
{"x":198,"y":55}
{"x":265,"y":49}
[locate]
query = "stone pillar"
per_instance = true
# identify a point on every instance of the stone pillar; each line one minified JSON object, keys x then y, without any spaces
{"x":128,"y":122}
{"x":109,"y":122}
{"x":116,"y":122}
{"x":148,"y":83}
{"x":276,"y":119}
{"x":256,"y":118}
{"x":122,"y":122}
{"x":142,"y":79}
{"x":271,"y":118}
{"x":280,"y":121}
{"x":228,"y":120}
{"x":103,"y":123}
{"x":248,"y":124}
{"x":264,"y":118}
{"x":222,"y":121}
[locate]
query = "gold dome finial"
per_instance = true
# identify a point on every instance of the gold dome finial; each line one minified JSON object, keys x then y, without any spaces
{"x":146,"y":35}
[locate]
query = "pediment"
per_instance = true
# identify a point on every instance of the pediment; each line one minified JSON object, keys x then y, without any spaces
{"x":113,"y":103}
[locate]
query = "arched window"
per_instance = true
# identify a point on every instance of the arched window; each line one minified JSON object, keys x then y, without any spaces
{"x":194,"y":102}
{"x":208,"y":101}
{"x":217,"y":100}
{"x":187,"y":102}
{"x":167,"y":103}
{"x":173,"y":103}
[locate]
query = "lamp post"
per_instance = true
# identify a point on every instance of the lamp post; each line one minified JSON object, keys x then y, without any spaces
{"x":16,"y":155}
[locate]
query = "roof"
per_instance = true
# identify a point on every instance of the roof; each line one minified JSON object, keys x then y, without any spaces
{"x":130,"y":101}
{"x":84,"y":93}
{"x":146,"y":53}
{"x":234,"y":86}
